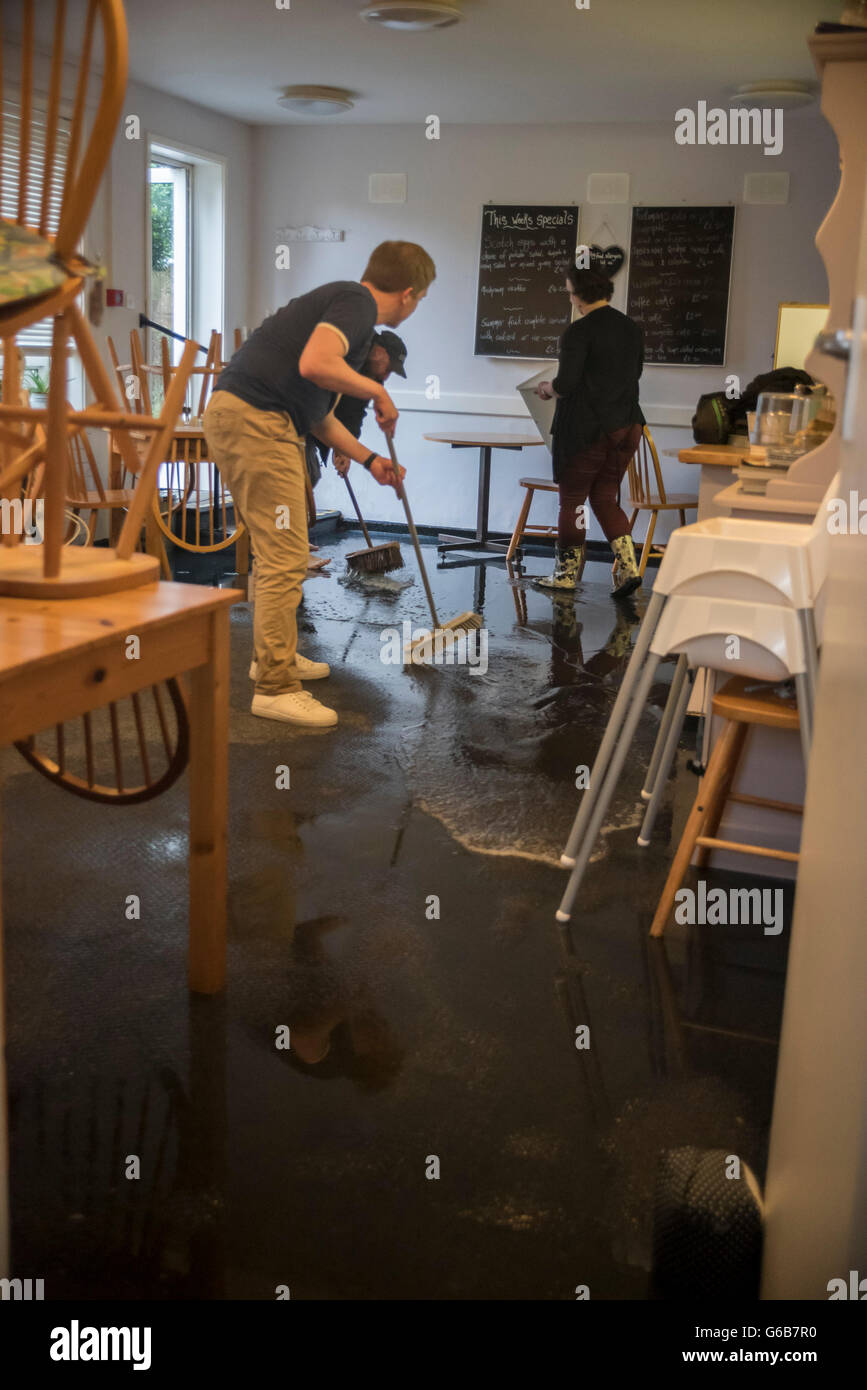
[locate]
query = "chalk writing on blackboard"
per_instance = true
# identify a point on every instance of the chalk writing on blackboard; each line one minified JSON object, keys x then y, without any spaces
{"x":523,"y":307}
{"x":679,"y":272}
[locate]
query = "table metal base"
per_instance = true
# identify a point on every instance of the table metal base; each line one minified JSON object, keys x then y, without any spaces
{"x":497,"y":548}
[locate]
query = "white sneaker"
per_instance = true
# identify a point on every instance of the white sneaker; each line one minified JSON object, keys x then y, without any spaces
{"x":307,"y":670}
{"x":294,"y":708}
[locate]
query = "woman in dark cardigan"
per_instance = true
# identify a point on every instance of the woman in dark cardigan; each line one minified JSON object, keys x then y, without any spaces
{"x":597,"y":427}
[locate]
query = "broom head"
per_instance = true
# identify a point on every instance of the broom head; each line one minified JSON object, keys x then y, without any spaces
{"x":437,"y":644}
{"x":377,"y":560}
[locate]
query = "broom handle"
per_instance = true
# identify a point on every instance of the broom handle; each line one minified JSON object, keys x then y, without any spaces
{"x":412,"y":531}
{"x":358,"y":511}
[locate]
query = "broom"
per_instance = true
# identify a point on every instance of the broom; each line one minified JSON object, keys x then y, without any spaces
{"x":442,"y":633}
{"x":376,"y":559}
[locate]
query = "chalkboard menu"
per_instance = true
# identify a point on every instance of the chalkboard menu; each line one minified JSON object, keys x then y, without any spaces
{"x":679,"y":271}
{"x":523,"y":307}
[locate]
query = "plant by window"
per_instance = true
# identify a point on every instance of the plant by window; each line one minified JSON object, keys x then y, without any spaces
{"x":162,"y":227}
{"x":35,"y":381}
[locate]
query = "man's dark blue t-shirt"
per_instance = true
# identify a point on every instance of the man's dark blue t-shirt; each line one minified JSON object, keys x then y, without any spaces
{"x":264,"y":370}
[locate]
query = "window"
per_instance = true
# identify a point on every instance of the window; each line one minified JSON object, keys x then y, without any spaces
{"x":185,"y":260}
{"x":169,"y":289}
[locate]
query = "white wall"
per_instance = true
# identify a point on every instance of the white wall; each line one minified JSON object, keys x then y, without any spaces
{"x":124,"y":219}
{"x":319,"y":174}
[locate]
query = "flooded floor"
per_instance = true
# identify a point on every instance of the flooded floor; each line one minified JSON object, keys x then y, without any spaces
{"x":433,"y":1132}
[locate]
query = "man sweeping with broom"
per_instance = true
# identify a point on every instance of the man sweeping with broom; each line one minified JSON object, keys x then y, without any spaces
{"x":280,"y":385}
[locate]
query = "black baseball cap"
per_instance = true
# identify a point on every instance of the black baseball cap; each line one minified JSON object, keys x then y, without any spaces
{"x":396,"y":349}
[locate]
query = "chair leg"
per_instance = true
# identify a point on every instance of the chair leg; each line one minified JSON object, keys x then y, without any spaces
{"x":807,"y":620}
{"x":648,"y":541}
{"x":602,"y":797}
{"x":721,"y":767}
{"x":682,"y":514}
{"x":715,"y":813}
{"x":92,"y":523}
{"x":615,"y":722}
{"x":521,"y":524}
{"x":805,"y":716}
{"x":669,"y":749}
{"x":155,"y":545}
{"x":242,"y":553}
{"x":653,"y":766}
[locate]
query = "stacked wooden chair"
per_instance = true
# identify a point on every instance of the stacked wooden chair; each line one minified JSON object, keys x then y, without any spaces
{"x":46,"y":452}
{"x":192,"y":506}
{"x":42,"y":276}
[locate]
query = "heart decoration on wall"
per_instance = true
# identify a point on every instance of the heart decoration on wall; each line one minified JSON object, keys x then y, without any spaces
{"x":609,"y":258}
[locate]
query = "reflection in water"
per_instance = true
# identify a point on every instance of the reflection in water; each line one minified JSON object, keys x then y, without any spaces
{"x":335,"y":1028}
{"x":496,"y":756}
{"x":119,"y":1181}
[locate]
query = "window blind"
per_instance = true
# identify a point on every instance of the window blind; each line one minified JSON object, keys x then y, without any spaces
{"x":39,"y":334}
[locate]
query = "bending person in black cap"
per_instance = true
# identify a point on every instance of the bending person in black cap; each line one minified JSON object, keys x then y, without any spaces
{"x":387,"y":355}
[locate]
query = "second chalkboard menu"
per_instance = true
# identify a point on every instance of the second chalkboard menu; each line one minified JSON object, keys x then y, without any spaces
{"x":679,"y":272}
{"x":523,"y":307}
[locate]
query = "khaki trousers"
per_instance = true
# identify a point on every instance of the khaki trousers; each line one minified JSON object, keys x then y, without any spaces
{"x":262,"y":460}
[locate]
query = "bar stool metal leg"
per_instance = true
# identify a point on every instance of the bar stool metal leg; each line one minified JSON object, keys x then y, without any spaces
{"x":603,"y":796}
{"x":674,"y":730}
{"x":805,"y":716}
{"x":615,"y":722}
{"x":679,"y":676}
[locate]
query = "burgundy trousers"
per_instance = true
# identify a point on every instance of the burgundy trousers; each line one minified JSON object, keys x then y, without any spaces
{"x":594,"y":475}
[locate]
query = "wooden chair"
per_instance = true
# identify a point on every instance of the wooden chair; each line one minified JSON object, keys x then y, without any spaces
{"x":740,"y":706}
{"x":75,"y":171}
{"x":643,"y":474}
{"x":86,"y":756}
{"x":192,"y":506}
{"x":522,"y":527}
{"x":86,"y":490}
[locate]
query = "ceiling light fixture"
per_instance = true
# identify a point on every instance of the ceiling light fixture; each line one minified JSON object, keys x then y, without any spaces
{"x":777,"y":92}
{"x":412,"y":16}
{"x":316,"y":101}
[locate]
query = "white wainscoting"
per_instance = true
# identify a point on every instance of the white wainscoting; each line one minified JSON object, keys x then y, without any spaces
{"x":471,"y":403}
{"x":442,"y":482}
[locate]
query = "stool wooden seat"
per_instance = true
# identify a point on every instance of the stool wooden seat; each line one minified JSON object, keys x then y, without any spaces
{"x":533,"y":485}
{"x":740,"y":704}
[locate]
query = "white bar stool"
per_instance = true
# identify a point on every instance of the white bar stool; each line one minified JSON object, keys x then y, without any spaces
{"x":770,"y":647}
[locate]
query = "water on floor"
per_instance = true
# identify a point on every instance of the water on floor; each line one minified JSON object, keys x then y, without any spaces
{"x":432,"y":1132}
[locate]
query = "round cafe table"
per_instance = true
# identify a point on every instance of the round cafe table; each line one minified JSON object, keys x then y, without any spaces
{"x":485,"y":443}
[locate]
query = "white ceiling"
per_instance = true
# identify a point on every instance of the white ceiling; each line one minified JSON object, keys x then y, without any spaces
{"x":508,"y":61}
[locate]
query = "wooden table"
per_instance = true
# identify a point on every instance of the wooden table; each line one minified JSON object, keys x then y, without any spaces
{"x":718,"y":463}
{"x":720,"y":493}
{"x":60,"y":659}
{"x":485,"y":443}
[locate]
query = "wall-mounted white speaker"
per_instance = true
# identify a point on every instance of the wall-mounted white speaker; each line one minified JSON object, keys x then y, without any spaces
{"x":387,"y":188}
{"x":608,"y":188}
{"x":766,"y":188}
